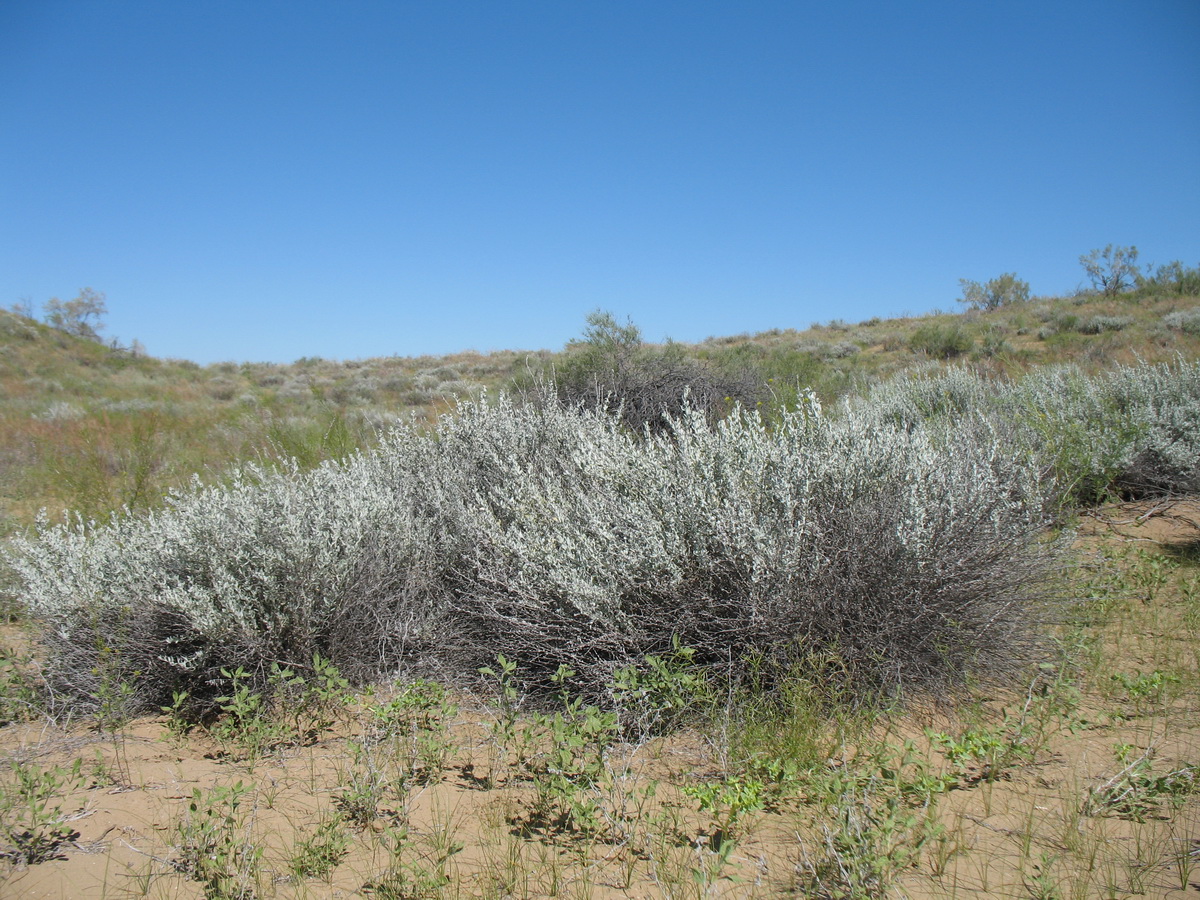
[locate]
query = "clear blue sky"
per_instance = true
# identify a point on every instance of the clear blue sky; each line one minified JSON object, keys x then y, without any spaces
{"x":269,"y":180}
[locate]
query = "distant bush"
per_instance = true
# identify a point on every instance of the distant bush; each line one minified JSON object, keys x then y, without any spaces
{"x":1001,"y":291}
{"x":59,"y":412}
{"x":1098,"y":324}
{"x":1187,"y":320}
{"x":1171,"y":278}
{"x":941,"y":341}
{"x":1112,"y":270}
{"x":458,"y":388}
{"x":17,"y":326}
{"x":842,"y":349}
{"x":994,"y":342}
{"x":1066,"y":322}
{"x":553,"y":534}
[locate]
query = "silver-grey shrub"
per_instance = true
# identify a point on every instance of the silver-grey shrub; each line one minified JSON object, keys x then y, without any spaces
{"x":555,"y":535}
{"x":1100,"y":324}
{"x":1185,"y":320}
{"x":1134,"y":430}
{"x":912,"y":565}
{"x":1163,"y":403}
{"x":269,"y":566}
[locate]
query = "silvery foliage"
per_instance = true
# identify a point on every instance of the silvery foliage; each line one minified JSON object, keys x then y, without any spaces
{"x":552,"y":534}
{"x":1185,"y":320}
{"x":268,"y":565}
{"x":1163,"y":404}
{"x":1135,"y":429}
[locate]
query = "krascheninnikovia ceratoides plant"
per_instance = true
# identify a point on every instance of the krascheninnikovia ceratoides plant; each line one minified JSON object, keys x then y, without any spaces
{"x":908,"y":544}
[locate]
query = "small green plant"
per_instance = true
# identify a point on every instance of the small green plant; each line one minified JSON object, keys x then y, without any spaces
{"x":871,"y":829}
{"x":981,"y":753}
{"x":1043,"y":885}
{"x":415,"y":873}
{"x":1183,"y":859}
{"x":32,"y":823}
{"x":178,"y":721}
{"x":213,"y":846}
{"x":366,"y":786}
{"x":316,"y":702}
{"x":1189,"y":591}
{"x":571,"y":770}
{"x":1145,"y":690}
{"x":728,"y":802}
{"x":417,"y":723}
{"x":1135,"y":791}
{"x":989,"y":752}
{"x":244,"y":725}
{"x":115,"y":700}
{"x":504,"y":734}
{"x":318,"y":854}
{"x":19,"y":698}
{"x":115,"y":696}
{"x":1150,"y":573}
{"x":653,"y":698}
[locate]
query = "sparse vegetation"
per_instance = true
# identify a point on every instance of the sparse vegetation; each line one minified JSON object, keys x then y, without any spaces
{"x":554,"y":536}
{"x":854,"y":642}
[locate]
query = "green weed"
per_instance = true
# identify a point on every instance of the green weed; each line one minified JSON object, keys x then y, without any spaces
{"x":318,"y":854}
{"x":245,"y":727}
{"x":33,"y":826}
{"x":19,"y":696}
{"x":573,"y":765}
{"x":873,"y":822}
{"x":213,"y":846}
{"x":1135,"y":792}
{"x":655,"y":697}
{"x":415,"y":872}
{"x":728,"y":802}
{"x":416,"y":723}
{"x":366,"y":786}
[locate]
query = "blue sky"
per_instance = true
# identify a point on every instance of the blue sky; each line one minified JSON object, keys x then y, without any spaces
{"x":271,"y":180}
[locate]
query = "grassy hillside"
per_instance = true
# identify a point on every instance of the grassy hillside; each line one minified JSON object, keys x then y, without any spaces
{"x":938,"y":640}
{"x":89,"y":428}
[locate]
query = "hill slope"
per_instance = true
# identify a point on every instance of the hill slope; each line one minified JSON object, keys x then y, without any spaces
{"x":88,"y":427}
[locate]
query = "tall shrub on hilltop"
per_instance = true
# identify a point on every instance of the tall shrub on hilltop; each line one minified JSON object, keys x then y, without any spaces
{"x":1113,"y":270}
{"x":1003,"y":290}
{"x":82,"y":317}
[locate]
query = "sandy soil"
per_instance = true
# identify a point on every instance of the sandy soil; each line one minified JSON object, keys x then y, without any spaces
{"x":468,"y":828}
